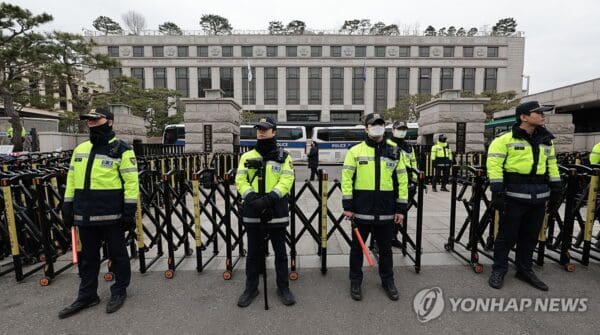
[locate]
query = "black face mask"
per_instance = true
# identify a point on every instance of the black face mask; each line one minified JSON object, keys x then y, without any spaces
{"x":101,"y":134}
{"x":443,"y":140}
{"x":266,"y":147}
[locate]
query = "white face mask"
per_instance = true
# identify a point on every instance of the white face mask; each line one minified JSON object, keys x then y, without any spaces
{"x":376,"y":131}
{"x":399,"y":133}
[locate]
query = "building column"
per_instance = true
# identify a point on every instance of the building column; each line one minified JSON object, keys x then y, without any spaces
{"x":281,"y":97}
{"x":149,"y":77}
{"x":126,"y":71}
{"x":193,"y":77}
{"x":215,"y":77}
{"x":370,"y":91}
{"x":260,"y":87}
{"x":237,"y":85}
{"x":347,"y":87}
{"x":391,"y":87}
{"x":303,"y":86}
{"x":171,"y":78}
{"x":413,"y":84}
{"x":501,"y":80}
{"x":457,"y":79}
{"x":435,"y":80}
{"x":325,"y":93}
{"x":479,"y":74}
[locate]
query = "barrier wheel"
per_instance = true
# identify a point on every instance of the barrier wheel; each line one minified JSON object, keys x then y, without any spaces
{"x":42,"y":258}
{"x":293,"y":275}
{"x":447,"y":246}
{"x":60,"y":252}
{"x":109,"y":276}
{"x":189,"y":252}
{"x":570,"y":267}
{"x":243,"y":253}
{"x":475,"y":258}
{"x":417,"y":269}
{"x":478,"y":268}
{"x":227,"y":275}
{"x":169,"y":274}
{"x":44,"y":281}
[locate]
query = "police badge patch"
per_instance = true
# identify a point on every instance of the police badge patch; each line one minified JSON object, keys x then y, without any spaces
{"x":107,"y":163}
{"x":133,"y":161}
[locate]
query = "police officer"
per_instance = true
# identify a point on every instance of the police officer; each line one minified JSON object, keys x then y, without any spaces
{"x":523,"y":174}
{"x":101,"y":200}
{"x":595,"y":154}
{"x":441,"y":157}
{"x":269,"y":209}
{"x":371,"y":168}
{"x":407,"y":155}
{"x":10,"y":133}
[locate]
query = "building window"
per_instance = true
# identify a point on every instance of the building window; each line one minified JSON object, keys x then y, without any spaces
{"x":202,"y":51}
{"x":314,"y":85}
{"x":182,"y":81}
{"x":447,"y":79}
{"x":138,"y":73}
{"x":379,"y":51}
{"x":380,"y":89}
{"x":160,"y":77}
{"x":138,"y":51}
{"x":304,"y":116}
{"x":491,"y":79}
{"x":404,"y":52}
{"x":204,"y":81}
{"x":158,"y":52}
{"x":345,"y":116}
{"x":271,"y":51}
{"x":227,"y":81}
{"x":358,"y":85}
{"x":270,"y":86}
{"x":467,"y":51}
{"x":316,"y":51}
{"x":424,"y":80}
{"x":291,"y":51}
{"x":337,"y":86}
{"x":360,"y":51}
{"x":402,"y":83}
{"x":468,"y":82}
{"x":183,"y":51}
{"x":423,"y":51}
{"x":335,"y":51}
{"x":113,"y":51}
{"x":246,"y":51}
{"x":448,"y":51}
{"x":112,"y":74}
{"x":227,"y":51}
{"x":292,"y":86}
{"x":492,"y":51}
{"x":248,"y":91}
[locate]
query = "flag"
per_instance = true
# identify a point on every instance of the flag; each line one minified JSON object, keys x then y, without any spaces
{"x":249,"y":72}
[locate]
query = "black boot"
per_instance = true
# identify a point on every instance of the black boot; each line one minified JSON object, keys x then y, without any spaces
{"x":530,"y":278}
{"x":246,"y":298}
{"x":355,"y":291}
{"x":285,"y":296}
{"x":496,"y":280}
{"x":77,"y":307}
{"x":391,"y":290}
{"x":115,"y":303}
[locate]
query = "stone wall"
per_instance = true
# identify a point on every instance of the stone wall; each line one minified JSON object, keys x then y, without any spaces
{"x":129,"y":127}
{"x":562,"y":127}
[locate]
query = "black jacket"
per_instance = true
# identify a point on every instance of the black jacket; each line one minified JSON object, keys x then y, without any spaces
{"x":313,"y":158}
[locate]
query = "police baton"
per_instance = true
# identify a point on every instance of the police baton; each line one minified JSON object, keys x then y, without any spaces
{"x":362,"y":243}
{"x":74,"y":244}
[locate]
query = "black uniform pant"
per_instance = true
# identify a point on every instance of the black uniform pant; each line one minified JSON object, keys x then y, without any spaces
{"x":89,"y":259}
{"x":520,"y":223}
{"x":313,"y":173}
{"x":383,"y":236}
{"x":255,"y":253}
{"x":441,"y":172}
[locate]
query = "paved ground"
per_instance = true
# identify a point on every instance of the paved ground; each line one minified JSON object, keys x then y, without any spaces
{"x":205,"y":303}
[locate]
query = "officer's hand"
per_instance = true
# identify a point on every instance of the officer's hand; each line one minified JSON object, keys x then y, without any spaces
{"x":260,"y":204}
{"x":349,"y":215}
{"x":266,"y":215}
{"x":251,"y":197}
{"x":398,"y":218}
{"x":498,"y":200}
{"x":127,"y":223}
{"x":555,"y":201}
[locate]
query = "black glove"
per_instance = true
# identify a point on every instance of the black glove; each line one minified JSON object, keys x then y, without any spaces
{"x":498,"y":200}
{"x":264,"y":202}
{"x":251,"y":197}
{"x":266,"y":215}
{"x":127,"y":223}
{"x":555,"y":201}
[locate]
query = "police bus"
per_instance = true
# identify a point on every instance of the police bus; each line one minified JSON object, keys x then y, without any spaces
{"x":174,"y":134}
{"x":291,"y":138}
{"x":334,"y":142}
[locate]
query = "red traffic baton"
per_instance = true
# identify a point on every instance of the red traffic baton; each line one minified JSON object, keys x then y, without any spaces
{"x":362,"y":244}
{"x":74,"y":245}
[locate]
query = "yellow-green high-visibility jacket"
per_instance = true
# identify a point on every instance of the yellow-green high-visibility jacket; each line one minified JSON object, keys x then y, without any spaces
{"x":523,"y":166}
{"x":407,"y":155}
{"x":102,"y":183}
{"x":279,"y":178}
{"x":441,"y":154}
{"x":595,"y":154}
{"x":10,"y":131}
{"x":368,"y":176}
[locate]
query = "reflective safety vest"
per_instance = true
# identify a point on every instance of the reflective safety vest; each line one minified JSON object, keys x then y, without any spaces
{"x":441,"y":154}
{"x":407,"y":155}
{"x":278,"y":178}
{"x":102,"y":183}
{"x":368,"y":178}
{"x":595,"y":154}
{"x":523,"y":166}
{"x":10,"y":131}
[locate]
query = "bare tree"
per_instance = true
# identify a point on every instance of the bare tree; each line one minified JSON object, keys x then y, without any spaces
{"x":134,"y":21}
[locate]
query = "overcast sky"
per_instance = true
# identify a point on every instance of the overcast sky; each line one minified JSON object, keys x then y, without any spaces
{"x":562,"y":44}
